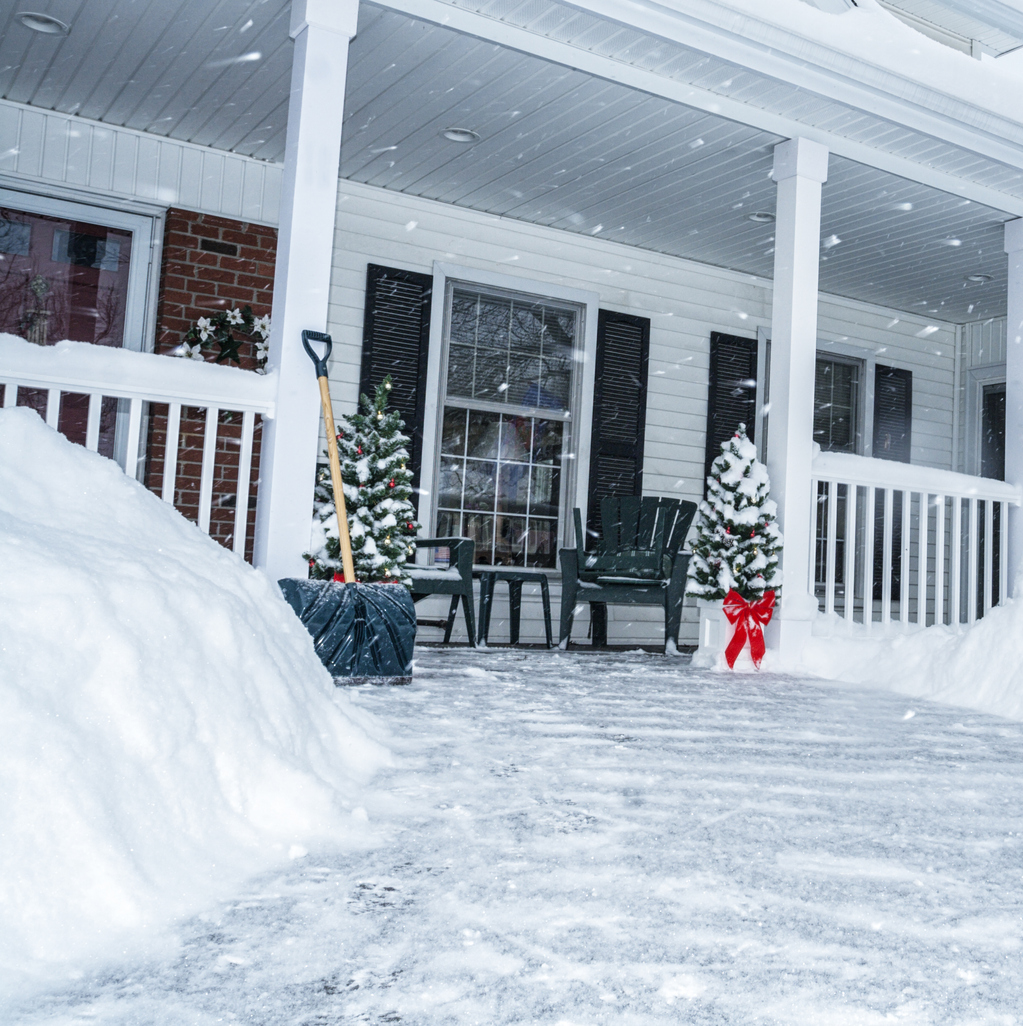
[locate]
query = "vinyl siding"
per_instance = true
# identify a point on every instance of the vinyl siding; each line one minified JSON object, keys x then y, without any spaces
{"x":685,"y":301}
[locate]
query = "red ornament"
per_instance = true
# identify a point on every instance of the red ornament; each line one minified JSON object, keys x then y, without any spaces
{"x":359,"y":450}
{"x":411,"y":527}
{"x":392,"y":482}
{"x":339,"y":577}
{"x":753,"y":533}
{"x":749,"y":618}
{"x":728,"y":530}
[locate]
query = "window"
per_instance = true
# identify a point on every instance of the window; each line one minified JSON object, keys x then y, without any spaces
{"x":72,"y":271}
{"x":992,"y":431}
{"x":836,"y":405}
{"x":509,"y":387}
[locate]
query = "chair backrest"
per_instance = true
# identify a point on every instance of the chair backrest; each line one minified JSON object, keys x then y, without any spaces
{"x":637,"y":533}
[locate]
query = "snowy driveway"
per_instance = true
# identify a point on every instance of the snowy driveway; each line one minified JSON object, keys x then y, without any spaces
{"x":617,"y":839}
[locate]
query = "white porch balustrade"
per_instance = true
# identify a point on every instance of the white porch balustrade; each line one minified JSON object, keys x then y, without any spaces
{"x":894,"y":542}
{"x":123,"y":390}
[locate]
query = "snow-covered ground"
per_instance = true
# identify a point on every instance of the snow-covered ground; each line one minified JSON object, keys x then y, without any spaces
{"x":579,"y":839}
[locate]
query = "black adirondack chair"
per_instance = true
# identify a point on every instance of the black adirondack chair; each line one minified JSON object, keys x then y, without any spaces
{"x":454,"y":580}
{"x":638,"y":561}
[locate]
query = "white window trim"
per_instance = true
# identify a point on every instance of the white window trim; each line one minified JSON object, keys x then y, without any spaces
{"x":976,"y":379}
{"x":143,"y":271}
{"x":576,"y":478}
{"x":825,"y":347}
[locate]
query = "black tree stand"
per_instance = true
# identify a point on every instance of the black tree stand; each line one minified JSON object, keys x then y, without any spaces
{"x":363,"y":633}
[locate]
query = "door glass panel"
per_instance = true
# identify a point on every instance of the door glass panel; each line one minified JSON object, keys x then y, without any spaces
{"x":62,"y":279}
{"x":992,"y":432}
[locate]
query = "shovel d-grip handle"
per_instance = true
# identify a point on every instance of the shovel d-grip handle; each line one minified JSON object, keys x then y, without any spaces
{"x":344,"y":539}
{"x":319,"y":362}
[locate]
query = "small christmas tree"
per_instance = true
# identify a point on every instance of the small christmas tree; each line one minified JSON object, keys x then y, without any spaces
{"x":737,"y":538}
{"x":378,"y":490}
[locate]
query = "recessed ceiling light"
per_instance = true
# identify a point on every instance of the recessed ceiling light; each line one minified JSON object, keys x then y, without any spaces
{"x":978,"y":279}
{"x":461,"y":135}
{"x":44,"y":23}
{"x":761,"y":217}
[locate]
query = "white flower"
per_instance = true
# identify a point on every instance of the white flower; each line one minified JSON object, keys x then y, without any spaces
{"x":261,"y":326}
{"x":235,"y":316}
{"x":187,"y":352}
{"x":205,"y":326}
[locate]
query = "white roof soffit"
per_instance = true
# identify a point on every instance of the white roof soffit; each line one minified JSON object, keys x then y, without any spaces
{"x":723,"y":60}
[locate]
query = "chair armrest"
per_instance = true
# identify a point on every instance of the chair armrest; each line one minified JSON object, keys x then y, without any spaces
{"x":569,"y":559}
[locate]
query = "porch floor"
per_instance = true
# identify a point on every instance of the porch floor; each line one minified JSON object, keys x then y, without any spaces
{"x":616,"y":838}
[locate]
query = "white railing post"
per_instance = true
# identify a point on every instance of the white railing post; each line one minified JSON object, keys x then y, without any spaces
{"x":322,"y":30}
{"x":800,"y":169}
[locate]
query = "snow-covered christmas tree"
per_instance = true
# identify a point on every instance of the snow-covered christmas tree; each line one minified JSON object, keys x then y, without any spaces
{"x":737,"y":537}
{"x":378,"y":490}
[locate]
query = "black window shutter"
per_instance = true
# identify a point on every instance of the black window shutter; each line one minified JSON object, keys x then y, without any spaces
{"x":619,"y":410}
{"x":732,"y":398}
{"x":395,"y":341}
{"x":893,"y":413}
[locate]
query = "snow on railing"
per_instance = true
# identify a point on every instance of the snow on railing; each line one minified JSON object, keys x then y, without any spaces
{"x":111,"y":400}
{"x":927,"y":546}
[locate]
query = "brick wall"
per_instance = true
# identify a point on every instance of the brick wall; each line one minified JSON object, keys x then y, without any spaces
{"x":209,"y":264}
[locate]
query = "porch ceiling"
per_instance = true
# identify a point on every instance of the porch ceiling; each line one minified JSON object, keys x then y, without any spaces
{"x":562,"y":148}
{"x":558,"y":147}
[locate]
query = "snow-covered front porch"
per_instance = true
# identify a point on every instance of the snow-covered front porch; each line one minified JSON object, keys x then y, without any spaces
{"x":499,"y":159}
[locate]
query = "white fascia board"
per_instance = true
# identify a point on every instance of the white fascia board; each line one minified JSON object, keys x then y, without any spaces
{"x":770,"y":49}
{"x":440,"y":12}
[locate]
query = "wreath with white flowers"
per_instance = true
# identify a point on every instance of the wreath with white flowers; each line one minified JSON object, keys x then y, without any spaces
{"x":219,"y":328}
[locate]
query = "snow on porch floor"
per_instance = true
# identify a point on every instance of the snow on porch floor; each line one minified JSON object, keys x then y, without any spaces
{"x":615,"y":838}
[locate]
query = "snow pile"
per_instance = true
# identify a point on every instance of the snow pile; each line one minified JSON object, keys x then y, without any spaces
{"x":165,"y":726}
{"x":979,"y":667}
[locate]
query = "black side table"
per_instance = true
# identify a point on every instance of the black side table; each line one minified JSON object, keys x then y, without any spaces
{"x":515,"y":578}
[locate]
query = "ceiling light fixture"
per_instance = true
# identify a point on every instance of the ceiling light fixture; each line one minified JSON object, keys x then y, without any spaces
{"x":978,"y":279}
{"x":461,"y":135}
{"x":49,"y":26}
{"x":761,"y":217}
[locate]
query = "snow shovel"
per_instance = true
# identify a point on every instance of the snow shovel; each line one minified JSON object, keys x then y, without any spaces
{"x":363,"y":633}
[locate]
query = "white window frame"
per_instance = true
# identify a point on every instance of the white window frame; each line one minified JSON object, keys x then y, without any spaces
{"x":976,"y":379}
{"x":575,"y":474}
{"x":867,"y":358}
{"x":143,"y":270}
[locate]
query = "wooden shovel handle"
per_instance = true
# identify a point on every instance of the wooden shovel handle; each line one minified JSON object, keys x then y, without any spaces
{"x":347,"y":563}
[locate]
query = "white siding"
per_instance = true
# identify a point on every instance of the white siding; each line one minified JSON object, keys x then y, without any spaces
{"x":40,"y":147}
{"x":685,"y":301}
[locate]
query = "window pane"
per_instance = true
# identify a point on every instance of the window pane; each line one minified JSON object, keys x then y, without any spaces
{"x":527,"y":328}
{"x":491,"y":380}
{"x":448,"y":525}
{"x":546,"y":485}
{"x":453,"y":435}
{"x":523,"y":380}
{"x":494,"y":322}
{"x":480,"y":528}
{"x":480,"y":482}
{"x":484,"y":431}
{"x":463,"y":318}
{"x":542,"y":542}
{"x":515,"y":432}
{"x":513,"y":490}
{"x":62,"y":279}
{"x":510,"y":541}
{"x":547,"y":440}
{"x":555,"y":378}
{"x":450,"y":490}
{"x":460,"y":370}
{"x":836,"y":400}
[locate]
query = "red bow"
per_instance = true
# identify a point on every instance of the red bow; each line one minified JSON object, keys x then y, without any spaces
{"x":749,"y":618}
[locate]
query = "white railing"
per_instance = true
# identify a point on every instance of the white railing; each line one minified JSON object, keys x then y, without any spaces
{"x":904,"y":543}
{"x":111,"y":399}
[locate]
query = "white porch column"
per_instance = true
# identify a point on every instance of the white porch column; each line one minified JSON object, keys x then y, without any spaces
{"x":1014,"y":394}
{"x":800,"y":169}
{"x":322,"y":30}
